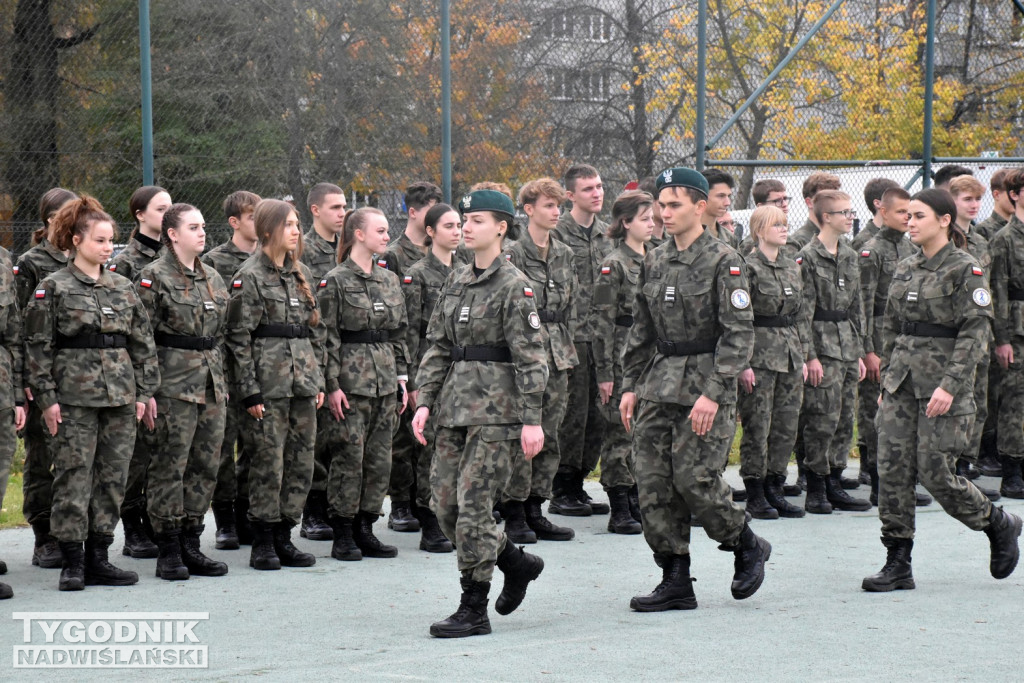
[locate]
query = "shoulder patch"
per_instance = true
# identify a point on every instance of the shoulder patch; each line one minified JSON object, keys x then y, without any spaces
{"x":799,"y":260}
{"x":15,"y":270}
{"x":383,"y":263}
{"x":112,"y":267}
{"x":866,"y":253}
{"x":740,"y":299}
{"x":981,"y":296}
{"x":605,"y":270}
{"x":534,"y":320}
{"x":977,"y":271}
{"x":145,"y":282}
{"x":527,"y":291}
{"x":40,"y":293}
{"x":734,"y":270}
{"x":407,"y":280}
{"x":323,"y":283}
{"x":237,"y":284}
{"x":508,"y":257}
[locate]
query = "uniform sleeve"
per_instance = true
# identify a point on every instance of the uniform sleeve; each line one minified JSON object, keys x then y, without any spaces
{"x":25,"y":280}
{"x":870,"y":263}
{"x":972,"y":303}
{"x":13,"y":342}
{"x":573,"y":321}
{"x":399,"y":346}
{"x":605,"y":306}
{"x":1000,"y":279}
{"x":736,"y":319}
{"x":244,"y":313}
{"x":142,"y":350}
{"x":525,"y":337}
{"x":412,"y":291}
{"x":39,"y":351}
{"x":857,"y":313}
{"x":810,"y":303}
{"x":639,"y":348}
{"x":328,"y":297}
{"x":437,"y":360}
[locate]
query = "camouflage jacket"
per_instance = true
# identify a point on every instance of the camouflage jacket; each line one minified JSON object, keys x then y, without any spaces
{"x":401,"y":254}
{"x":832,"y":286}
{"x":11,"y":351}
{"x":724,"y":235}
{"x":493,"y":309}
{"x":356,"y":301}
{"x":421,"y":285}
{"x":613,"y":311}
{"x":977,"y":246}
{"x":799,"y":238}
{"x":878,"y":260}
{"x":39,"y":262}
{"x":1007,"y":278}
{"x":694,"y":296}
{"x":555,"y":292}
{"x":990,"y":226}
{"x":181,"y":304}
{"x":226,"y":260}
{"x":864,"y":235}
{"x":272,"y":366}
{"x":776,"y":289}
{"x":70,"y":303}
{"x":589,"y":248}
{"x":320,"y":255}
{"x":139,"y":252}
{"x":948,"y":289}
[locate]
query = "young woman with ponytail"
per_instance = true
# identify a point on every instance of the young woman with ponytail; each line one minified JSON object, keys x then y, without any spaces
{"x":275,"y":352}
{"x":187,"y":306}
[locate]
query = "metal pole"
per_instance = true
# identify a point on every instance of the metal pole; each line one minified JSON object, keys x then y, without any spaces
{"x":702,"y":69}
{"x":1019,"y":6}
{"x":910,"y":183}
{"x":929,"y":96}
{"x":146,"y":73}
{"x":446,"y":100}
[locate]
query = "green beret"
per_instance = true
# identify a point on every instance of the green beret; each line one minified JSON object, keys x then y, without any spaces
{"x":682,"y":177}
{"x":487,"y":200}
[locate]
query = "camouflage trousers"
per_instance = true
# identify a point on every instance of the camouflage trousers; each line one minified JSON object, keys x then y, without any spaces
{"x":322,"y":448}
{"x":912,"y":448}
{"x":1010,"y":423}
{"x":617,"y":448}
{"x":37,"y":484}
{"x":230,"y":483}
{"x":534,"y":477}
{"x":470,"y":468}
{"x":582,"y":428}
{"x":995,"y":380}
{"x":867,"y":434}
{"x":135,"y":488}
{"x":90,"y":460}
{"x":281,"y":466}
{"x":8,"y":444}
{"x":981,"y":375}
{"x":770,"y":415}
{"x":827,"y":416}
{"x":679,"y":474}
{"x":360,"y":447}
{"x":410,"y":476}
{"x":183,"y":468}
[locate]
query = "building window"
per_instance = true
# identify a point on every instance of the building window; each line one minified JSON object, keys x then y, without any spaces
{"x":574,"y":84}
{"x":594,"y":26}
{"x":558,"y":25}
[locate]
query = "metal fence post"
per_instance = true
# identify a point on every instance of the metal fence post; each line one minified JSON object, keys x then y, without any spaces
{"x":146,"y":74}
{"x":702,"y":67}
{"x":929,"y":95}
{"x":446,"y":100}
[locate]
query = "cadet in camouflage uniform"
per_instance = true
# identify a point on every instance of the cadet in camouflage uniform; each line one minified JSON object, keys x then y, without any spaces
{"x":691,"y":335}
{"x":720,"y":187}
{"x":548,"y":265}
{"x":12,"y":399}
{"x":831,"y":290}
{"x":422,"y":284}
{"x":410,"y":247}
{"x":187,"y":308}
{"x":583,"y":426}
{"x":771,"y":389}
{"x":326,"y":203}
{"x":813,"y":184}
{"x":91,"y":366}
{"x":231,"y":493}
{"x":1003,"y":208}
{"x":147,"y":205}
{"x":42,"y":260}
{"x":632,"y":222}
{"x":936,"y":330}
{"x":878,"y":260}
{"x":873,"y":192}
{"x":364,"y":315}
{"x":482,"y":384}
{"x":275,"y":353}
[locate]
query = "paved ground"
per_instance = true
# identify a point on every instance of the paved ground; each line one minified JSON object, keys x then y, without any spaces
{"x":368,"y":620}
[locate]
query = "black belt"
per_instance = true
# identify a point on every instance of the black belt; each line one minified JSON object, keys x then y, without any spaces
{"x":929,"y":330}
{"x":364,"y":336}
{"x":878,"y":310}
{"x":624,"y":321}
{"x":774,"y":320}
{"x":823,"y":315}
{"x":178,"y":341}
{"x":551,"y":316}
{"x":687,"y":348}
{"x":282,"y":330}
{"x":92,"y":341}
{"x":1015,"y":294}
{"x":496,"y":354}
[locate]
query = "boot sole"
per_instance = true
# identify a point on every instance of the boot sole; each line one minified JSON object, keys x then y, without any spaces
{"x":570,"y":512}
{"x":792,"y":514}
{"x":678,"y":603}
{"x":265,"y":566}
{"x":47,"y":564}
{"x":404,"y":527}
{"x":760,"y":578}
{"x":141,"y":554}
{"x":901,"y":585}
{"x":315,"y":535}
{"x":208,"y":572}
{"x":438,"y":548}
{"x":764,"y":514}
{"x":93,"y":581}
{"x":479,"y":630}
{"x":383,"y":555}
{"x":173,"y":576}
{"x":626,"y":530}
{"x":228,"y":544}
{"x":600,"y":509}
{"x":1017,"y":526}
{"x":347,"y":557}
{"x":71,"y":586}
{"x":819,"y":511}
{"x":520,"y":539}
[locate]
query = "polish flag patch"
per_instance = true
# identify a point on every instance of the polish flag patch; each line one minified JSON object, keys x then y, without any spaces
{"x":865,"y":253}
{"x":977,"y":271}
{"x":799,"y":260}
{"x":237,"y":284}
{"x":407,"y":280}
{"x":382,"y":263}
{"x":40,"y":293}
{"x":146,"y":283}
{"x":112,"y":268}
{"x":734,"y":270}
{"x":323,"y":283}
{"x":508,"y":257}
{"x":527,"y":291}
{"x":605,"y":270}
{"x":15,"y":270}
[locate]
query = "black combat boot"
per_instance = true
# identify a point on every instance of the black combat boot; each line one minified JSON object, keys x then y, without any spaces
{"x":675,"y":590}
{"x":565,"y":500}
{"x":922,"y":499}
{"x":777,"y":499}
{"x":621,"y":521}
{"x":224,"y":517}
{"x":344,"y":547}
{"x":988,"y":456}
{"x":516,"y":528}
{"x":596,"y":507}
{"x":816,"y":502}
{"x":966,"y":469}
{"x":314,"y":518}
{"x":757,"y":505}
{"x":362,"y":533}
{"x":791,"y":490}
{"x":1003,"y":531}
{"x":46,"y":552}
{"x":6,"y":592}
{"x":1013,"y":484}
{"x":541,"y":525}
{"x":471,"y":617}
{"x":98,"y":570}
{"x":519,"y":568}
{"x":401,"y":517}
{"x":198,"y":564}
{"x":896,"y":573}
{"x":263,"y":556}
{"x":169,"y":566}
{"x":840,"y":499}
{"x":136,"y":543}
{"x":752,"y":552}
{"x":242,"y":521}
{"x":634,"y":504}
{"x":289,"y":555}
{"x":72,"y":572}
{"x":846,"y":482}
{"x":873,"y":496}
{"x":431,"y":538}
{"x":801,"y":476}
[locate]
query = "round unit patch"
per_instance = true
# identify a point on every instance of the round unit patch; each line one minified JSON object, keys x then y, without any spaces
{"x":740,"y":299}
{"x":534,"y":320}
{"x":982,"y":297}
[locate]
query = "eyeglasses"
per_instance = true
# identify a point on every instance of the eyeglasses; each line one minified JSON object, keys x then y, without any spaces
{"x":846,"y":213}
{"x":780,"y":201}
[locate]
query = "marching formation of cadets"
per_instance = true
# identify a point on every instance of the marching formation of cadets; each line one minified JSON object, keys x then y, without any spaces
{"x":474,"y":370}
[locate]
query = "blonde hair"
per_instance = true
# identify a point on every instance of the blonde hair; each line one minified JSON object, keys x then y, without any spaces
{"x":764,"y":217}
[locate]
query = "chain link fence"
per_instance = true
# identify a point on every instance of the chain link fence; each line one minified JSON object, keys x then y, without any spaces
{"x":274,"y":96}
